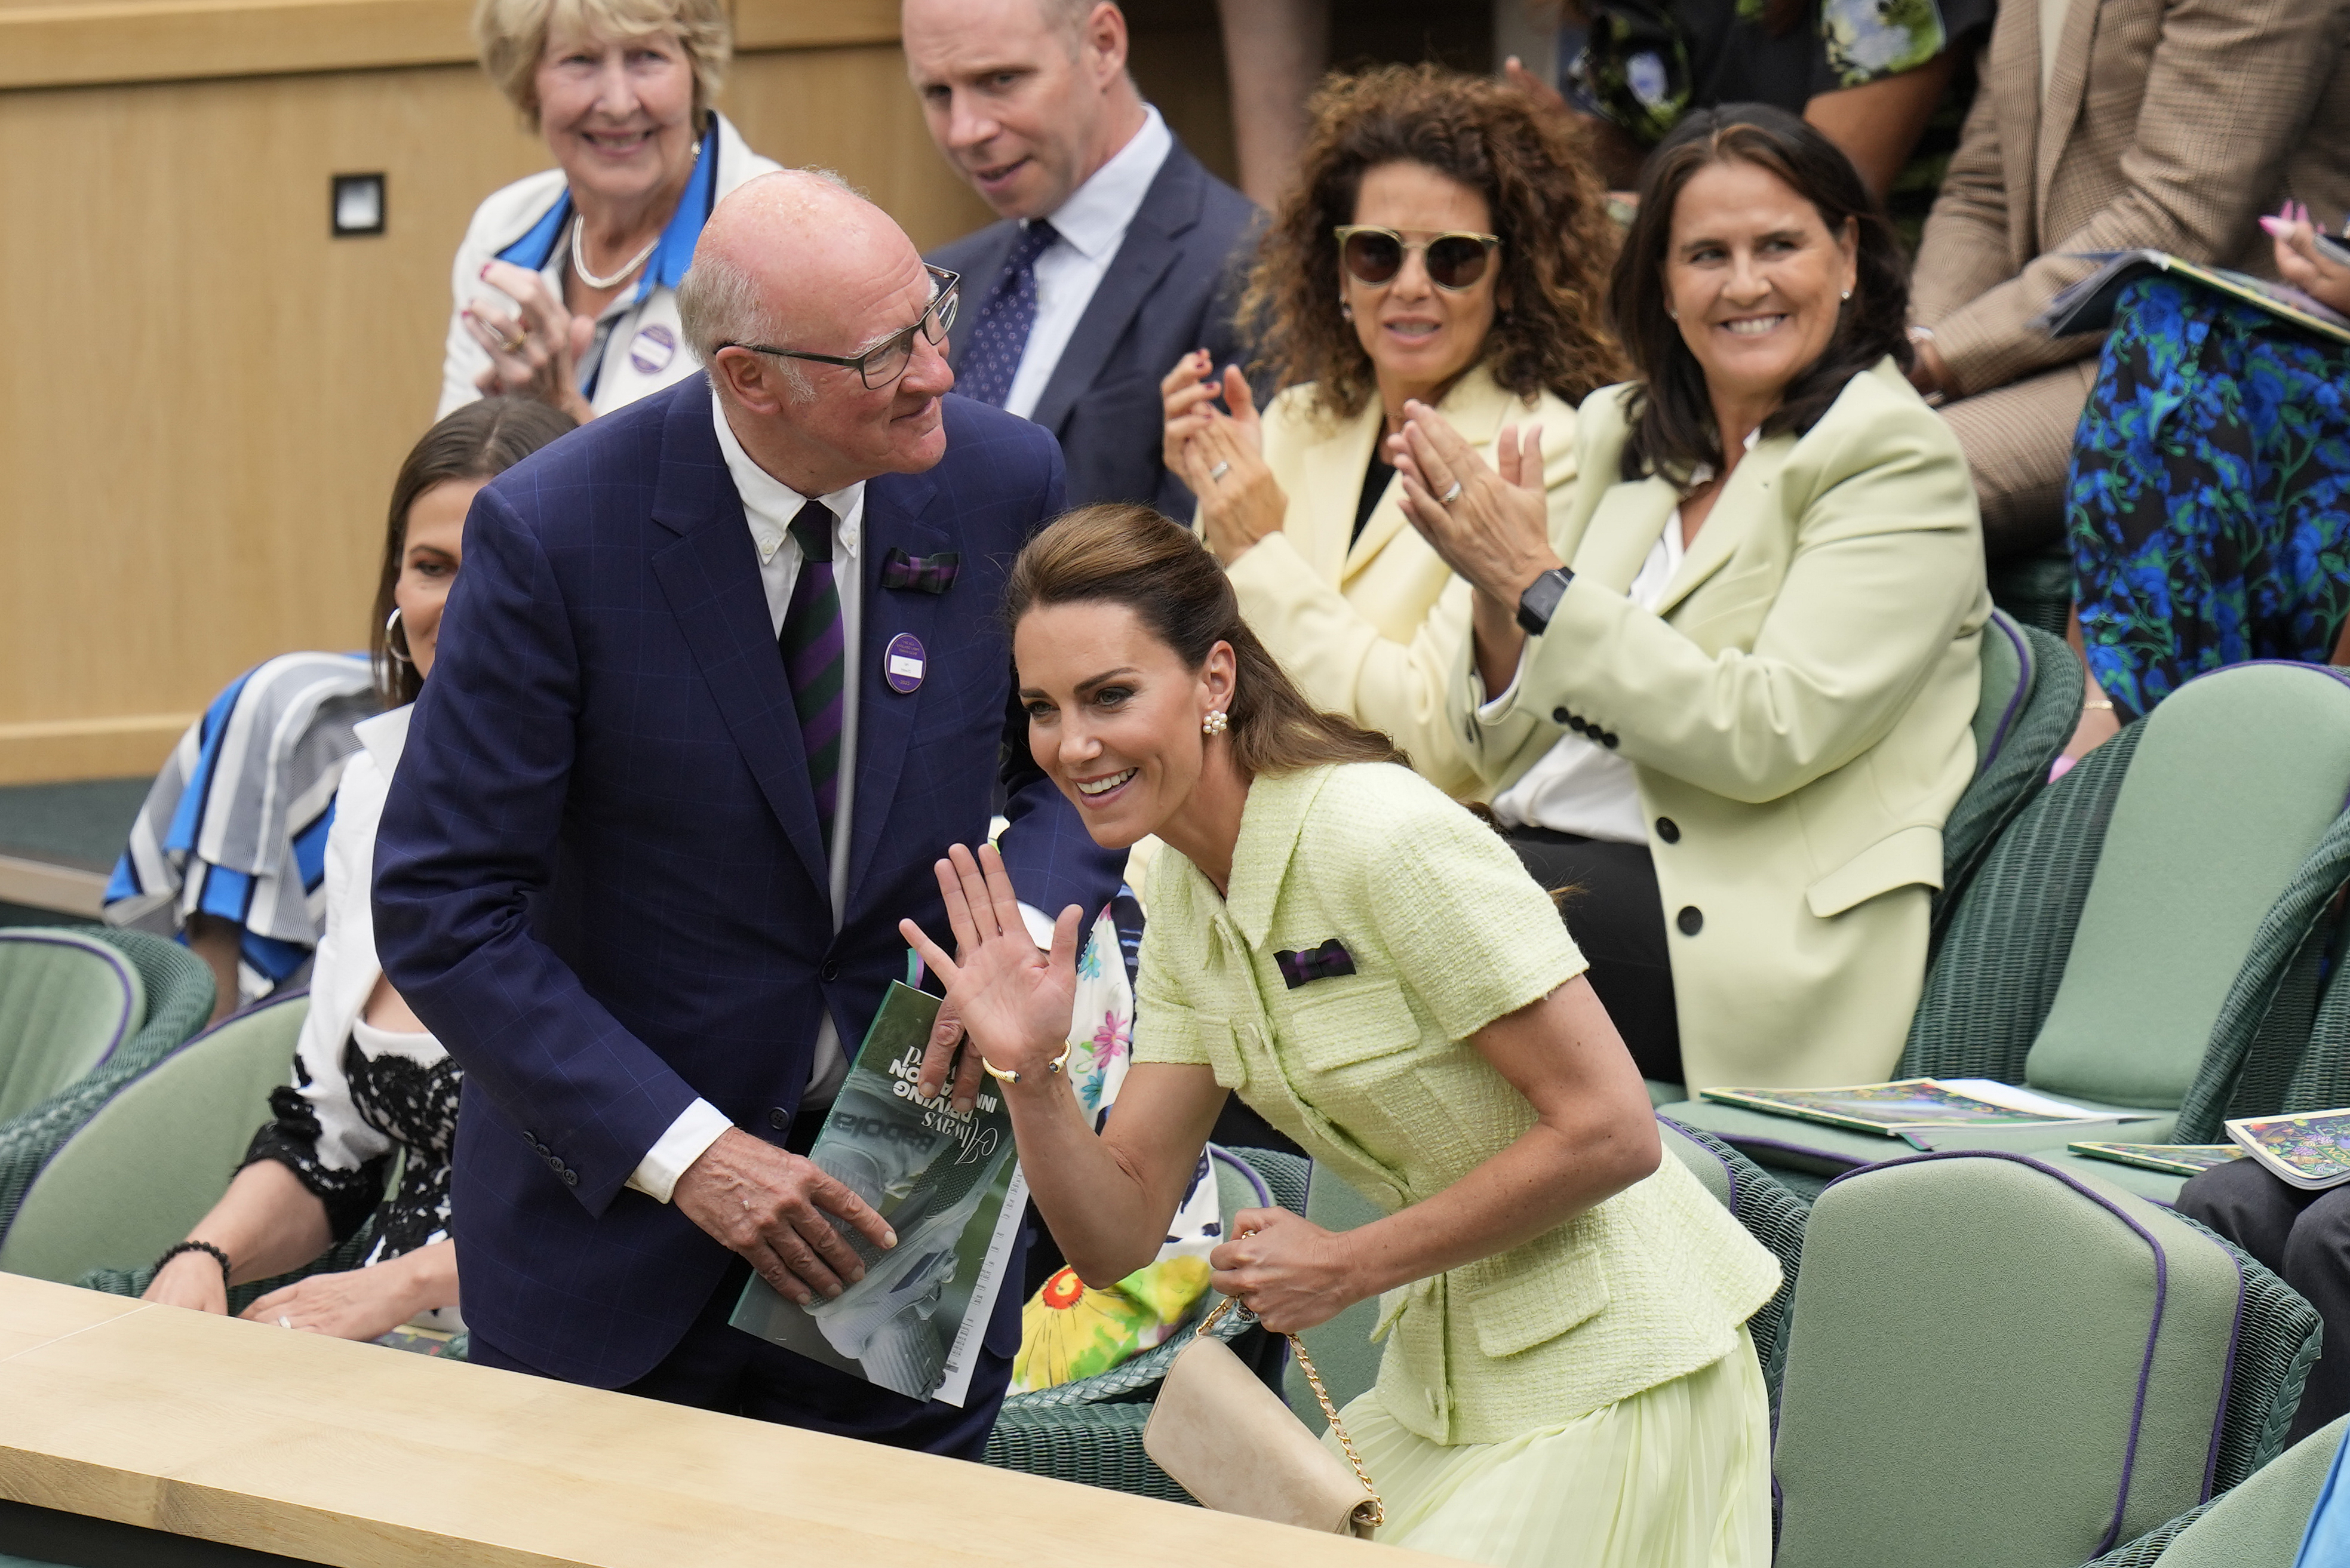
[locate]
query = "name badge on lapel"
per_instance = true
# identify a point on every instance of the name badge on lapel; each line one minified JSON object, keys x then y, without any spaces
{"x":920,"y":574}
{"x":903,"y":662}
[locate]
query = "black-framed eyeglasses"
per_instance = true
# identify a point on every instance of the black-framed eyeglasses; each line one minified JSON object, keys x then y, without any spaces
{"x":1375,"y":255}
{"x":882,"y":365}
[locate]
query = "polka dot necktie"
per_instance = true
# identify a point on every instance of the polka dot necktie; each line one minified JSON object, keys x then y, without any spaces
{"x":999,"y":337}
{"x":815,"y":652}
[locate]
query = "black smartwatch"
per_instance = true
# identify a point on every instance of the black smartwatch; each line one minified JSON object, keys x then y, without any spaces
{"x":1540,"y":601}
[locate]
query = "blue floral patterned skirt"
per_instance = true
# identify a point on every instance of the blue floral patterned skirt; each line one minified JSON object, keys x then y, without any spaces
{"x":2208,"y":506}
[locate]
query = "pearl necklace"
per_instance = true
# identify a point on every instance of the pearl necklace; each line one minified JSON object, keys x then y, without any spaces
{"x":579,"y":259}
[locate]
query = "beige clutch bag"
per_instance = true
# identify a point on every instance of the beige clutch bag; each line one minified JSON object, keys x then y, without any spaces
{"x":1230,"y":1442}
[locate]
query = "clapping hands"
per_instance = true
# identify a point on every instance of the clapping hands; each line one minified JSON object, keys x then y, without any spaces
{"x":1490,"y":527}
{"x":1220,"y":455}
{"x":536,"y":351}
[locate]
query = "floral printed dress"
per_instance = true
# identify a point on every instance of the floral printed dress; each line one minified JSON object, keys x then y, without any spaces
{"x":2209,"y":506}
{"x":1645,"y":64}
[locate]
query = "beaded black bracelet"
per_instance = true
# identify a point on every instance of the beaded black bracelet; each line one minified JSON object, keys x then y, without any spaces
{"x":218,"y":1256}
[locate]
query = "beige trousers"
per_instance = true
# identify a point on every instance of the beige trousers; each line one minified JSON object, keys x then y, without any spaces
{"x":2019,"y":442}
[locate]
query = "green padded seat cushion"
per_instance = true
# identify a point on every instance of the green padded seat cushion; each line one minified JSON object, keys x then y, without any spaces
{"x":2261,"y":1521}
{"x":1993,"y":1364}
{"x":2235,"y":779}
{"x":2007,"y":670}
{"x":159,"y":1154}
{"x":1342,"y":1348}
{"x":66,"y":1001}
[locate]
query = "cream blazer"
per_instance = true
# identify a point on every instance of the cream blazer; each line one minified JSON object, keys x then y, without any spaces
{"x":1372,"y":628}
{"x":1372,"y":1073}
{"x":1796,"y":712}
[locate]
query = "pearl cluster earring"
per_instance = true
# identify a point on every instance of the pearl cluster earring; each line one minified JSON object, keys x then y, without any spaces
{"x":1215,"y":723}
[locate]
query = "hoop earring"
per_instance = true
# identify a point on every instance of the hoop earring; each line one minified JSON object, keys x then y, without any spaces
{"x":1215,"y":723}
{"x":397,"y":649}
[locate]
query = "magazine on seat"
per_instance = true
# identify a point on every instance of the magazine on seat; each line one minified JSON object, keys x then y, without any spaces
{"x":2088,"y":304}
{"x":949,"y":1186}
{"x":2170,"y":1158}
{"x":2311,"y":1150}
{"x":1916,"y":1104}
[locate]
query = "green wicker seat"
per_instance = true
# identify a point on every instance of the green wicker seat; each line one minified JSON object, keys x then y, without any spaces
{"x":2145,"y":928}
{"x":1091,"y":1431}
{"x":1771,"y":1213}
{"x":67,"y":1001}
{"x":151,"y":1161}
{"x":176,"y":991}
{"x":1994,"y":1362}
{"x":2258,"y":1523}
{"x":2032,"y":686}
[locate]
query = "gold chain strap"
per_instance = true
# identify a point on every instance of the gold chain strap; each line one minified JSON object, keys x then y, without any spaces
{"x":1378,"y":1515}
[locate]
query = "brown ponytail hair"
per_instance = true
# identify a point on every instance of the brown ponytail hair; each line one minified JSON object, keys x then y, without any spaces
{"x":1121,"y":553}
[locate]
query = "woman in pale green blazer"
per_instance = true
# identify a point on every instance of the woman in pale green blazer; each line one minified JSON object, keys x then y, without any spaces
{"x":1567,"y":1379}
{"x":1729,"y":696}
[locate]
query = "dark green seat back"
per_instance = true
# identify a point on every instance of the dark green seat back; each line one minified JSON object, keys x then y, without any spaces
{"x":2031,"y":701}
{"x":1994,"y":1365}
{"x":159,"y":1154}
{"x":67,"y":1001}
{"x":2235,"y":779}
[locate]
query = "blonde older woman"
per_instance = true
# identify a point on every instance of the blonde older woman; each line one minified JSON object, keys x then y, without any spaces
{"x":1444,"y":243}
{"x":565,"y":287}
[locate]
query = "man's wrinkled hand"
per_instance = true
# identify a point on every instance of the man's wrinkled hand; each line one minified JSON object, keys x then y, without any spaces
{"x":775,"y":1210}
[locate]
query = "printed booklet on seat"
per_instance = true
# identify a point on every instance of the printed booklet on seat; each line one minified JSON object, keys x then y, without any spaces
{"x":2170,"y":1158}
{"x":949,"y":1186}
{"x":1915,"y":1104}
{"x":2311,"y":1150}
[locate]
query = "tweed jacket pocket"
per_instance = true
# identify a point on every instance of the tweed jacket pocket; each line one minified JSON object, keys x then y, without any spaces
{"x":1350,"y":1023}
{"x":1528,"y":1307}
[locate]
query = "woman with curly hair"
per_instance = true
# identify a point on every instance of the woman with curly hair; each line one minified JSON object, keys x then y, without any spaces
{"x":1446,"y":242}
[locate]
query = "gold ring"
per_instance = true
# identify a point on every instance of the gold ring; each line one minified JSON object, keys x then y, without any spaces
{"x":514,"y":345}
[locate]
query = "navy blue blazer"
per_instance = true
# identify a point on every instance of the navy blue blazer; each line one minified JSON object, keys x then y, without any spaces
{"x":599,"y":879}
{"x":1172,"y":288}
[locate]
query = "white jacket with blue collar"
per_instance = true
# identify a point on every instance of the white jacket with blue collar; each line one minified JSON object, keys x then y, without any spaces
{"x":638,"y":347}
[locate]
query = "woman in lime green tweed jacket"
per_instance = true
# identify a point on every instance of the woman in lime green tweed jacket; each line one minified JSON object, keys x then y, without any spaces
{"x":1567,"y":1378}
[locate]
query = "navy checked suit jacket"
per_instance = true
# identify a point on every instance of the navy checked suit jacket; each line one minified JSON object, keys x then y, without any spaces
{"x":1172,"y":288}
{"x":599,"y":879}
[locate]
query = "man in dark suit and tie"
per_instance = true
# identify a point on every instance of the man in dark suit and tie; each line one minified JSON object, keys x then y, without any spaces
{"x":1119,"y":253}
{"x":724,"y":676}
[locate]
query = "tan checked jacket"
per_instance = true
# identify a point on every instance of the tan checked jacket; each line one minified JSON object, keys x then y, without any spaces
{"x":2170,"y":123}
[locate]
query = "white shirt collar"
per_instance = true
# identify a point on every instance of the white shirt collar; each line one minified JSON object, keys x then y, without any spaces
{"x":770,"y":505}
{"x":1095,"y":218}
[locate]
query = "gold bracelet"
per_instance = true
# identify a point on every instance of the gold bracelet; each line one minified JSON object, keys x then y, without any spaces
{"x":1012,"y":1076}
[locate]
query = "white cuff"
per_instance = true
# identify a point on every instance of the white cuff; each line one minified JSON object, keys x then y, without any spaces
{"x":1040,"y":927}
{"x":688,"y":1138}
{"x":1498,"y":708}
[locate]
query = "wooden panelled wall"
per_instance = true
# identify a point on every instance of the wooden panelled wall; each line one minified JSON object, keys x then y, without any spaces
{"x":203,"y":397}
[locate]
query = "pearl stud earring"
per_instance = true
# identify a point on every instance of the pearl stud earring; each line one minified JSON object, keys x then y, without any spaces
{"x":1215,"y":723}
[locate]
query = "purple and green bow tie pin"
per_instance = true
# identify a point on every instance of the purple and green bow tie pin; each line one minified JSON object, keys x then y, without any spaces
{"x":1324,"y":962}
{"x":920,"y":574}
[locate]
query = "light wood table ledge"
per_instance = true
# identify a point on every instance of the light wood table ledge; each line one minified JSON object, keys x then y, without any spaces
{"x":366,"y":1458}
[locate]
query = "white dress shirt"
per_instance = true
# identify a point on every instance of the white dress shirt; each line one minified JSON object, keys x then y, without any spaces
{"x":770,"y":505}
{"x":1092,"y":225}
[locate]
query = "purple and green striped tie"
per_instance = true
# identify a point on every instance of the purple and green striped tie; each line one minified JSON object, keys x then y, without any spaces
{"x":814,"y":653}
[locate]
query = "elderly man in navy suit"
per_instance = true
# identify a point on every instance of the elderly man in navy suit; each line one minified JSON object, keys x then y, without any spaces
{"x":724,"y":676}
{"x":1119,"y":253}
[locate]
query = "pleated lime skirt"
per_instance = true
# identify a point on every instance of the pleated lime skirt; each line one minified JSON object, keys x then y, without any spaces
{"x":1677,"y":1476}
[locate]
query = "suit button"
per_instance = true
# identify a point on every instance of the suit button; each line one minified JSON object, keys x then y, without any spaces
{"x":1560,"y":715}
{"x":1608,"y":740}
{"x":1668,"y":830}
{"x":780,"y":1120}
{"x":1575,"y":723}
{"x":1692,"y":919}
{"x":571,"y":1179}
{"x":830,"y":971}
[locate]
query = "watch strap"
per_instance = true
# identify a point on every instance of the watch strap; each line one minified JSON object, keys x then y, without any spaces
{"x":1540,"y":601}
